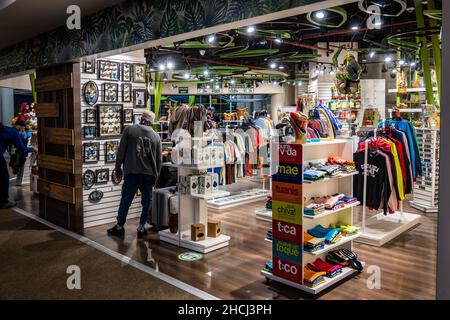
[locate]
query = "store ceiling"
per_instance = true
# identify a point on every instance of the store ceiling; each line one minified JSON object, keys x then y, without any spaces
{"x":24,"y":19}
{"x":291,"y":42}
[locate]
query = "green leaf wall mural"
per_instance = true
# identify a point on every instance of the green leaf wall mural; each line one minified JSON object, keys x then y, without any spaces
{"x":132,"y":22}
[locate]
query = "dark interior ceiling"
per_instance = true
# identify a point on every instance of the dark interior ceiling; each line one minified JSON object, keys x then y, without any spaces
{"x":293,"y":41}
{"x":25,"y":19}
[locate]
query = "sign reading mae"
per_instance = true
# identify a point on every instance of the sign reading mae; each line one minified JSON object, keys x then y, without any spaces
{"x":287,"y":212}
{"x":291,"y":173}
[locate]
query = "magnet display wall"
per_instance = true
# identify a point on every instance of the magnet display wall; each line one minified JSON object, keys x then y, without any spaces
{"x":122,"y":108}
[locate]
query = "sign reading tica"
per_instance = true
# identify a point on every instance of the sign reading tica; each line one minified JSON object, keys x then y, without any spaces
{"x":287,"y":231}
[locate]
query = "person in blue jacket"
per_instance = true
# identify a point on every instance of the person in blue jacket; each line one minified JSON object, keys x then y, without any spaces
{"x":8,"y":136}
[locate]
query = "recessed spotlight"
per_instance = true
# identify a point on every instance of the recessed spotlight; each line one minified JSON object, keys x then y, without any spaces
{"x":320,"y":14}
{"x":162,"y":67}
{"x":388,"y":59}
{"x":251,"y":29}
{"x":281,"y":67}
{"x":371,"y":54}
{"x":355,"y":27}
{"x":273,"y":65}
{"x":274,"y":82}
{"x":170,"y":65}
{"x":186,"y":75}
{"x":211,"y":38}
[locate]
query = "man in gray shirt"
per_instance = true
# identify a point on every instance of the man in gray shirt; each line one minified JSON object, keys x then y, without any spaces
{"x":141,"y":156}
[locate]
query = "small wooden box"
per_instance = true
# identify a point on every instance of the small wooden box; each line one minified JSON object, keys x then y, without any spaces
{"x":197,"y":232}
{"x":214,"y":228}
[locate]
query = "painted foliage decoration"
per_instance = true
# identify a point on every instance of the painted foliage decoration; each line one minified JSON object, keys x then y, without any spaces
{"x":132,"y":22}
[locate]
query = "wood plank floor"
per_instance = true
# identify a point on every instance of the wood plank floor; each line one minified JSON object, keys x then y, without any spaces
{"x":407,"y":263}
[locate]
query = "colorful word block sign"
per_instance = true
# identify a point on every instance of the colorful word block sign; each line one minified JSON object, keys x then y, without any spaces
{"x":287,"y":231}
{"x":287,"y":251}
{"x":290,"y":153}
{"x":287,"y":192}
{"x":290,"y":173}
{"x":287,"y":212}
{"x":287,"y":270}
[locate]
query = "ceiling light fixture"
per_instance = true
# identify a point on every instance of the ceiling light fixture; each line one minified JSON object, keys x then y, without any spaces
{"x":170,"y":65}
{"x":372,"y":54}
{"x":186,"y":75}
{"x":388,"y":59}
{"x":251,"y":29}
{"x":208,"y":86}
{"x":281,"y":67}
{"x":412,"y":64}
{"x":320,"y":14}
{"x":165,"y":78}
{"x":278,"y":40}
{"x":162,"y":67}
{"x":299,"y":83}
{"x":401,"y":62}
{"x":205,"y":72}
{"x":211,"y":38}
{"x":273,"y":65}
{"x":232,"y":81}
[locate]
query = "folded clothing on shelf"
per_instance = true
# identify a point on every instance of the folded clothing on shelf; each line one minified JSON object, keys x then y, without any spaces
{"x":346,"y":230}
{"x":331,"y":170}
{"x":340,"y":161}
{"x":268,"y":266}
{"x":331,"y":270}
{"x":269,"y":202}
{"x":312,"y":278}
{"x":347,"y":256}
{"x":311,"y":243}
{"x":330,"y":235}
{"x":313,"y":175}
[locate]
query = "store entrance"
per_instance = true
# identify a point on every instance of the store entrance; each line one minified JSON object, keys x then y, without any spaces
{"x":268,"y":191}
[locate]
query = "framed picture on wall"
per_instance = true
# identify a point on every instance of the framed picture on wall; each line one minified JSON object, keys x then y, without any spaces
{"x":138,"y":72}
{"x":109,"y":120}
{"x":110,"y":92}
{"x":127,"y":69}
{"x":137,"y":118}
{"x":111,"y":148}
{"x":108,"y":70}
{"x":90,"y":93}
{"x":127,"y":115}
{"x":89,"y":66}
{"x":89,"y":132}
{"x":139,"y":98}
{"x":101,"y":176}
{"x":126,"y":92}
{"x":91,"y":152}
{"x":91,"y":116}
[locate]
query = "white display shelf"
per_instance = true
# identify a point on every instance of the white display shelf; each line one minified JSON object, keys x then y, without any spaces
{"x":381,"y":229}
{"x":330,"y":212}
{"x":268,"y":240}
{"x":246,"y":197}
{"x":203,"y":246}
{"x":329,"y":247}
{"x":346,"y":273}
{"x":264,"y":214}
{"x":424,"y":207}
{"x":343,"y":175}
{"x":407,"y":110}
{"x":211,"y":195}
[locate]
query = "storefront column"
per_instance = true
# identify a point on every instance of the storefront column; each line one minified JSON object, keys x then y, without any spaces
{"x":443,"y":254}
{"x":6,"y":105}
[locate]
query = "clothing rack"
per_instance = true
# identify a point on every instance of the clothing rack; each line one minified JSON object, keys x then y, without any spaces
{"x":380,"y":229}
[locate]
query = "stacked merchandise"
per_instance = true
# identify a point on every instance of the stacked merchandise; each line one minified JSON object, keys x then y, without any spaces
{"x":185,"y":117}
{"x":394,"y":163}
{"x":316,"y":238}
{"x":269,"y":202}
{"x":331,"y":270}
{"x":269,"y":235}
{"x":318,"y":205}
{"x":312,"y":244}
{"x":334,"y":167}
{"x":313,"y":278}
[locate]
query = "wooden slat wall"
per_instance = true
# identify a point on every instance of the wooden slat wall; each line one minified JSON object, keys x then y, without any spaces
{"x":106,"y":210}
{"x":59,"y":141}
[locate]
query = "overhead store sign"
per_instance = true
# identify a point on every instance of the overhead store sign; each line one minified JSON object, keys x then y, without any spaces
{"x":183,"y":90}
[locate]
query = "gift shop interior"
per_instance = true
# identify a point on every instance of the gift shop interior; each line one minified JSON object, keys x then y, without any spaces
{"x":300,"y":155}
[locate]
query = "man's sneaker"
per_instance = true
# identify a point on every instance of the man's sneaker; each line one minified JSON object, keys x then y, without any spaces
{"x":7,"y":204}
{"x":141,"y":234}
{"x":116,"y":232}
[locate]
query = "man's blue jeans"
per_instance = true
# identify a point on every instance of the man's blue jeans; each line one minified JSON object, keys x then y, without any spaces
{"x":131,"y":184}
